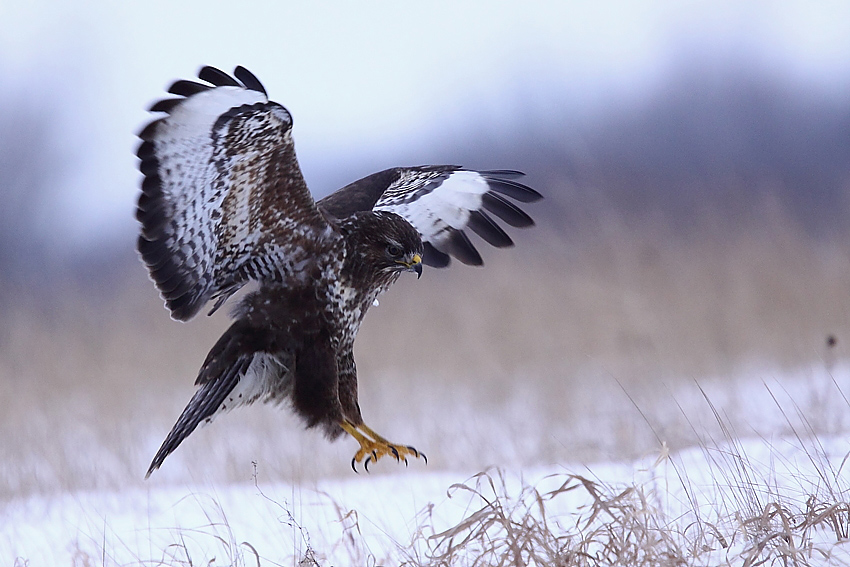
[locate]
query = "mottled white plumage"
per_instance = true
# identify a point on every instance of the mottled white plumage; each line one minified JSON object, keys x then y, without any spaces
{"x":443,"y":202}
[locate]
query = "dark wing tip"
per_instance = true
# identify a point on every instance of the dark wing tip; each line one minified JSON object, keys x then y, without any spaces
{"x":459,"y":246}
{"x":183,"y":297}
{"x":501,"y":184}
{"x":165,"y":105}
{"x":509,"y":173}
{"x":217,"y":77}
{"x":187,"y":88}
{"x":499,"y":181}
{"x":434,"y":258}
{"x":184,"y":89}
{"x":249,"y":79}
{"x":505,"y":210}
{"x":185,"y":307}
{"x":481,"y":224}
{"x":149,"y":131}
{"x":145,"y":150}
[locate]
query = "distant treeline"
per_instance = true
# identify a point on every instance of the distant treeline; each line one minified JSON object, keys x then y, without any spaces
{"x":724,"y":141}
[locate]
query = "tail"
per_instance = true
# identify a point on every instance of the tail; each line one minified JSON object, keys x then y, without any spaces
{"x":206,"y":401}
{"x":226,"y":364}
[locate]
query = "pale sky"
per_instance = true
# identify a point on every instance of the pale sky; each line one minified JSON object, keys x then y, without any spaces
{"x":364,"y":78}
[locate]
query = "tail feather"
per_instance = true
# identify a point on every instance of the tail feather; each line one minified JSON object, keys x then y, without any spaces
{"x":206,"y":402}
{"x":242,"y":367}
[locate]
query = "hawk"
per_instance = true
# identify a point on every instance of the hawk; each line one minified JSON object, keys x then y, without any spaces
{"x":223,"y":202}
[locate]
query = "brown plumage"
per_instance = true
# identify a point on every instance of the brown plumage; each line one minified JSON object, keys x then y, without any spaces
{"x":224,"y":202}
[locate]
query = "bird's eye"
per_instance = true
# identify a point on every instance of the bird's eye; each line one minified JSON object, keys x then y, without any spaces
{"x":393,"y":250}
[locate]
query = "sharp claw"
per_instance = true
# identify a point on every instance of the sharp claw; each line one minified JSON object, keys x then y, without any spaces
{"x":373,"y":450}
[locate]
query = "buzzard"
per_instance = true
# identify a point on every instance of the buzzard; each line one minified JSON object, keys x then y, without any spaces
{"x":223,"y":202}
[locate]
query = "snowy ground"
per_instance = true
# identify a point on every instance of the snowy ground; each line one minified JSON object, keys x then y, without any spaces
{"x":766,"y":475}
{"x":384,"y":518}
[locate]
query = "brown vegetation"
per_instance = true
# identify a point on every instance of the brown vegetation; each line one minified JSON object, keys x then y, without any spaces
{"x":541,"y":344}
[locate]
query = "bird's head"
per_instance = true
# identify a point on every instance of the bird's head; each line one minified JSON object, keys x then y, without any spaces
{"x":384,"y":244}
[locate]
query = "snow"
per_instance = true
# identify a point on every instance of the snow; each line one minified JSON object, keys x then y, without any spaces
{"x":773,"y":446}
{"x":349,"y":521}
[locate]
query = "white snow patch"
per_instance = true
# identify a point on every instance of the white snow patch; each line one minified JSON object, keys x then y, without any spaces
{"x":346,"y":522}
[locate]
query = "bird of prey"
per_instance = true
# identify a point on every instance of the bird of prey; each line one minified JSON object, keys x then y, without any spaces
{"x":223,"y":202}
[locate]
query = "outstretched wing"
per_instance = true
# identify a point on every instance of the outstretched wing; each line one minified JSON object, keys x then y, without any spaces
{"x":441,"y":201}
{"x":223,"y":199}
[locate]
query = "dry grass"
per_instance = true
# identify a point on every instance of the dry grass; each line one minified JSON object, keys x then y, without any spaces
{"x":625,"y":525}
{"x":743,"y":518}
{"x":752,"y":513}
{"x":617,"y":527}
{"x":91,"y":385}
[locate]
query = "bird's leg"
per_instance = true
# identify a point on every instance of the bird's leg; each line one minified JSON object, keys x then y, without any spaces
{"x":375,"y":446}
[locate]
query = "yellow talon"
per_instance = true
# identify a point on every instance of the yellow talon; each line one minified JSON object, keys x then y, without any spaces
{"x":375,"y":446}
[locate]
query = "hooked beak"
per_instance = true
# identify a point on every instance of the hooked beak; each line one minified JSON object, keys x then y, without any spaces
{"x":415,"y":265}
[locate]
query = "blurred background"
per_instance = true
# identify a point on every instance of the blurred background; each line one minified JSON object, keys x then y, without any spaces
{"x":695,"y":162}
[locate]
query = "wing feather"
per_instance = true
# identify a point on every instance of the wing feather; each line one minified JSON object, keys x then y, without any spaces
{"x":485,"y":227}
{"x":441,"y":202}
{"x":146,"y":150}
{"x":165,"y":105}
{"x":249,"y":79}
{"x":217,"y":77}
{"x":148,"y":131}
{"x":506,"y":210}
{"x":187,"y":88}
{"x":512,"y":189}
{"x":434,"y":258}
{"x":223,"y":199}
{"x":457,"y":244}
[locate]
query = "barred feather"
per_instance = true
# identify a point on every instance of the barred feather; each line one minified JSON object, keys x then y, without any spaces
{"x":223,"y":200}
